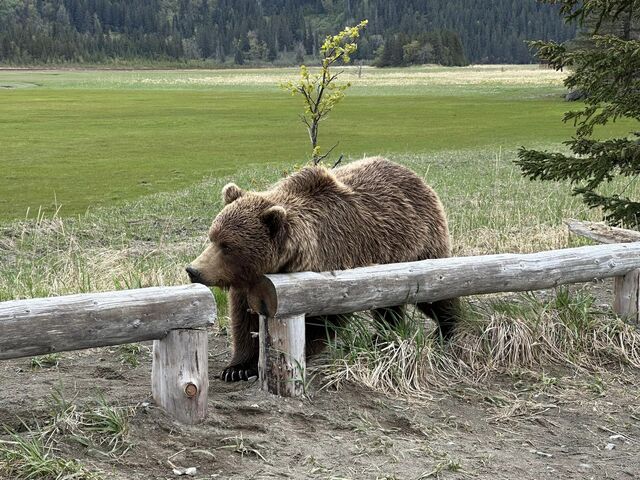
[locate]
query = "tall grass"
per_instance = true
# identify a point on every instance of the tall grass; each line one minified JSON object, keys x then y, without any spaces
{"x":493,"y":337}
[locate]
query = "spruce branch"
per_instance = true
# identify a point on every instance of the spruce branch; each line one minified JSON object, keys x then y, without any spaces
{"x":607,"y":70}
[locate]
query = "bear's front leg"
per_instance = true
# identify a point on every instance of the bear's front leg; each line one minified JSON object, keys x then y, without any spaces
{"x":244,"y":362}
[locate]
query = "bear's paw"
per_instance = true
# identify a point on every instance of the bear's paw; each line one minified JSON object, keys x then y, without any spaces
{"x":244,"y":371}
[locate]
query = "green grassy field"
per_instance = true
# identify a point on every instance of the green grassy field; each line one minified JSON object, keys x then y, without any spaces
{"x":82,"y":139}
{"x":149,"y":153}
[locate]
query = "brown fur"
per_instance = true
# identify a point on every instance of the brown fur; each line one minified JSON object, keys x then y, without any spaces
{"x":372,"y":211}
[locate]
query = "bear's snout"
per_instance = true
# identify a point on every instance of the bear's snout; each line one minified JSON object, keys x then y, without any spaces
{"x":194,"y":275}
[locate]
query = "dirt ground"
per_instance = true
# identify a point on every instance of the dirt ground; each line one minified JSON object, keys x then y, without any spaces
{"x":515,"y":426}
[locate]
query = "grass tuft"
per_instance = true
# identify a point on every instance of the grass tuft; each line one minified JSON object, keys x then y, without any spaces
{"x":51,"y":360}
{"x":33,"y":457}
{"x":96,"y":425}
{"x":130,"y":353}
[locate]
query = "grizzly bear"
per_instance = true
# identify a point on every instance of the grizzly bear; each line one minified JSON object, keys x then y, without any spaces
{"x":371,"y":211}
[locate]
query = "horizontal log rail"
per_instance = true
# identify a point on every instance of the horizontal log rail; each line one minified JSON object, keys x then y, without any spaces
{"x":602,"y":233}
{"x":174,"y":317}
{"x":56,"y":324}
{"x":379,"y":286}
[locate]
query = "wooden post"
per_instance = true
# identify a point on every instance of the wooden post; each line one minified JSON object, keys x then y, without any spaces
{"x":282,"y":363}
{"x":627,"y":301}
{"x":179,"y":378}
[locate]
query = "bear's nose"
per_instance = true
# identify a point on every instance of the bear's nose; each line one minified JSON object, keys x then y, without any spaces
{"x":194,"y":275}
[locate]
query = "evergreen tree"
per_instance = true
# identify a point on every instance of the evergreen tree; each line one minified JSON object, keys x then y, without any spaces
{"x":607,"y":70}
{"x":442,"y":47}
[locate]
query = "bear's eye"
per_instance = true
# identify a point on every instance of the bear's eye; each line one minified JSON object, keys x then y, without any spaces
{"x":225,"y":248}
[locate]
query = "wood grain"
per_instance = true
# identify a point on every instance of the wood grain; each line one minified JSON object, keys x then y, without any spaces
{"x":627,"y":297}
{"x":180,"y":378}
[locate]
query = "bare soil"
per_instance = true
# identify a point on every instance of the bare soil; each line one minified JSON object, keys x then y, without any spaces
{"x":517,"y":425}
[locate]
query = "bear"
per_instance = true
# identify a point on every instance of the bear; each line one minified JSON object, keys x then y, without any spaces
{"x":371,"y":211}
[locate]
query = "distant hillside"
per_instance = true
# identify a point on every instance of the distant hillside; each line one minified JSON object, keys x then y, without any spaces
{"x":450,"y":32}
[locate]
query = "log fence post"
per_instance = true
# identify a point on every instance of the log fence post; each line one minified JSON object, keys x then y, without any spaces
{"x":282,"y":362}
{"x":627,"y":296}
{"x":179,"y":375}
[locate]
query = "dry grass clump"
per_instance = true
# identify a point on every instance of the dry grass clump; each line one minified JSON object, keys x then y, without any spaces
{"x":568,"y":330}
{"x":494,"y":337}
{"x":396,"y":360}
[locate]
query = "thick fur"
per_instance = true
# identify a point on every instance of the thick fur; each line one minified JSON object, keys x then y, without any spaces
{"x":372,"y":211}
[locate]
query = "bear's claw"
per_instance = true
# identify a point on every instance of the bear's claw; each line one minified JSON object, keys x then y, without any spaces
{"x":238,"y":372}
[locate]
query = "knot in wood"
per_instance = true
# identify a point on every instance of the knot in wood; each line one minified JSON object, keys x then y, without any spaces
{"x":190,"y":390}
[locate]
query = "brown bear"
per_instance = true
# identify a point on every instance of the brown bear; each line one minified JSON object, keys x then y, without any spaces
{"x":371,"y":211}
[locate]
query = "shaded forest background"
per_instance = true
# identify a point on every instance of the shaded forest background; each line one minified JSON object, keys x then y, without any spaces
{"x":279,"y":32}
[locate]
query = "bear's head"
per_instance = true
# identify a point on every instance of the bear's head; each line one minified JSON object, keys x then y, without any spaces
{"x":247,"y":240}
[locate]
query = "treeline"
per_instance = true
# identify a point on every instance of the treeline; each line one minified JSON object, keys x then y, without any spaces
{"x":272,"y":31}
{"x":442,"y":47}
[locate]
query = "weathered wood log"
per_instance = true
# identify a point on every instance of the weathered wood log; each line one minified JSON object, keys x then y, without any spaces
{"x":281,"y":366}
{"x":627,"y":296}
{"x":627,"y":288}
{"x":602,"y":233}
{"x":179,"y":377}
{"x":56,"y":324}
{"x":327,"y":293}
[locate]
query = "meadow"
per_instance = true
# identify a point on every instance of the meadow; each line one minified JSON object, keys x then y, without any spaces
{"x":75,"y":140}
{"x":128,"y":168}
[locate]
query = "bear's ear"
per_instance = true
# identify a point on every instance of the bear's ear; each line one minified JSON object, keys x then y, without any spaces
{"x":231,"y":192}
{"x":275,"y":218}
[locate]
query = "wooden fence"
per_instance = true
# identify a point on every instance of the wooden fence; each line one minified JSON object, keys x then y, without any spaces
{"x":174,"y":317}
{"x":283,"y":301}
